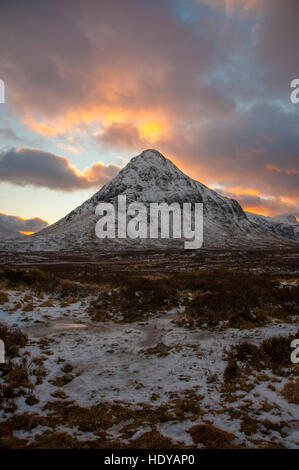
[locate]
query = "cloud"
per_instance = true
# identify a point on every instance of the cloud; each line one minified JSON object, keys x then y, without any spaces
{"x":35,"y":167}
{"x":122,"y":135}
{"x":257,"y":148}
{"x":20,"y":224}
{"x":235,"y":6}
{"x":99,"y":174}
{"x":135,"y":59}
{"x":277,"y":37}
{"x":8,"y":135}
{"x":261,"y":205}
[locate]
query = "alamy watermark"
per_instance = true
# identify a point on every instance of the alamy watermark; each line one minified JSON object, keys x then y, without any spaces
{"x":2,"y":92}
{"x":153,"y":221}
{"x":2,"y":352}
{"x":295,"y":353}
{"x":294,"y":96}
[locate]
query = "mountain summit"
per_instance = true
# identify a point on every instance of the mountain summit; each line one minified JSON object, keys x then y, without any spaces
{"x":150,"y":177}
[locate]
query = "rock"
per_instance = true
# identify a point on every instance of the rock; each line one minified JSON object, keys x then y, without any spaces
{"x":67,"y":378}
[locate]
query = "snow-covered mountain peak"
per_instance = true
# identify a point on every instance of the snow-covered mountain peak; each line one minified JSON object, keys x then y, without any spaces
{"x":150,"y":177}
{"x":149,"y":157}
{"x":151,"y":162}
{"x":149,"y":165}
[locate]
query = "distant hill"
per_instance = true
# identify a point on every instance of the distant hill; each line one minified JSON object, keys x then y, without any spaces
{"x":284,"y":225}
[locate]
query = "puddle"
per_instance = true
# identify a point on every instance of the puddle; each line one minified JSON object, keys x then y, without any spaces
{"x":57,"y":326}
{"x":153,"y":335}
{"x":69,"y":325}
{"x":153,"y":330}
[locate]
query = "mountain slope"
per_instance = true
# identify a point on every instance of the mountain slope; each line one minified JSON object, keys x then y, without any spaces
{"x":150,"y":177}
{"x":283,"y":225}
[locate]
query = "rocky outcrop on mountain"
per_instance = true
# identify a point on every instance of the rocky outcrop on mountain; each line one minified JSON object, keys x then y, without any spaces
{"x":150,"y":177}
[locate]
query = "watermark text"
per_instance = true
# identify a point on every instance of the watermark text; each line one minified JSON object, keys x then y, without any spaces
{"x":2,"y":352}
{"x":295,"y":353}
{"x":156,"y":221}
{"x":2,"y":92}
{"x":295,"y":93}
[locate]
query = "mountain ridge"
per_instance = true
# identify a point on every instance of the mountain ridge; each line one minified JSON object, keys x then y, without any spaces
{"x":283,"y":225}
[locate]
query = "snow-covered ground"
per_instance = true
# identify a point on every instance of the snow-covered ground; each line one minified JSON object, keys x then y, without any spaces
{"x":147,"y":362}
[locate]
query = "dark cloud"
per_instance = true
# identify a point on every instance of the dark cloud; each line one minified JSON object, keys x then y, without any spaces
{"x":44,"y":169}
{"x":136,"y":55}
{"x":253,"y":148}
{"x":256,"y":148}
{"x":122,"y":135}
{"x":20,"y":224}
{"x":277,"y":37}
{"x":260,"y":205}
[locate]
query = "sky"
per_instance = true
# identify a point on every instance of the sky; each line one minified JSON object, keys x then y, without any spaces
{"x":90,"y":84}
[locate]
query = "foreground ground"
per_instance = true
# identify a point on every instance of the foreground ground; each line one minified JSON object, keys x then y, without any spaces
{"x":137,"y":354}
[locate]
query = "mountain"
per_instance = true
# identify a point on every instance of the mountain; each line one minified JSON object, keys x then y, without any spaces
{"x":283,"y":225}
{"x":150,"y":177}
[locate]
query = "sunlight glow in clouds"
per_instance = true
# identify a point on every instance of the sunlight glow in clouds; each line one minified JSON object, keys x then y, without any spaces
{"x":93,"y":84}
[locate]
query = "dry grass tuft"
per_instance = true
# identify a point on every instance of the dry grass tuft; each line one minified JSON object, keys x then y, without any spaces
{"x":3,"y":298}
{"x":154,"y":440}
{"x":232,"y":371}
{"x":290,"y":391}
{"x":47,"y":303}
{"x":273,"y":353}
{"x":211,"y":436}
{"x":13,"y":339}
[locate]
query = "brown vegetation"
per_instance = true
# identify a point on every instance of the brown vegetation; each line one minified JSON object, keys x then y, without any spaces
{"x":211,"y":436}
{"x":290,"y":391}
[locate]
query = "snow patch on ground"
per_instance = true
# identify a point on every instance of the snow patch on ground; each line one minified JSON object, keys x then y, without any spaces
{"x":111,"y":363}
